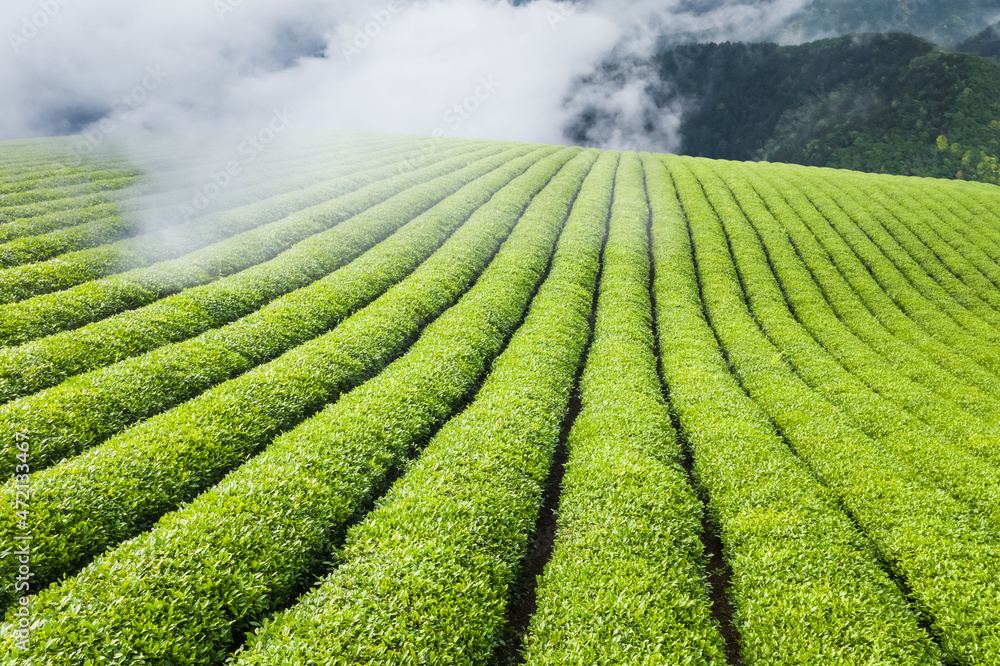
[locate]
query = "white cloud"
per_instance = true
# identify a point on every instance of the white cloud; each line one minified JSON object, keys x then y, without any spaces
{"x":505,"y":69}
{"x":229,"y":63}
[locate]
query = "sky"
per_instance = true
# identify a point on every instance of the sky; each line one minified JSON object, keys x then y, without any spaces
{"x":474,"y":68}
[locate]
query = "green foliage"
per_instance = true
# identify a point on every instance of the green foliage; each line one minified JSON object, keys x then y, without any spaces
{"x":924,"y":300}
{"x":111,"y":398}
{"x":943,"y":22}
{"x":925,"y":430}
{"x":251,"y":234}
{"x":46,"y":179}
{"x":36,"y":365}
{"x":791,"y":548}
{"x":956,"y":382}
{"x":628,"y":543}
{"x":954,"y":95}
{"x":751,"y":115}
{"x":160,"y":200}
{"x":236,"y":418}
{"x":13,"y":202}
{"x":48,"y":222}
{"x":875,"y":486}
{"x":210,"y":569}
{"x":868,"y":102}
{"x":412,"y":320}
{"x":424,"y":578}
{"x":824,"y":104}
{"x":120,"y":219}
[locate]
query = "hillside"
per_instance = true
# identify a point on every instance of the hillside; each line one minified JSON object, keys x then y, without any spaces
{"x":402,"y":400}
{"x":985,"y":43}
{"x":946,"y":23}
{"x":875,"y":103}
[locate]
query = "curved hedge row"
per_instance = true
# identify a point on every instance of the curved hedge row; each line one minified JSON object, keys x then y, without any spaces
{"x":41,"y":224}
{"x":70,"y":176}
{"x":903,"y":314}
{"x":148,"y":250}
{"x":807,"y":587}
{"x":114,"y":181}
{"x":42,"y":363}
{"x":896,"y":507}
{"x":427,"y":572}
{"x":147,"y":470}
{"x":943,"y":227}
{"x":628,"y":541}
{"x":927,"y":433}
{"x":171,"y":172}
{"x":184,"y":590}
{"x":925,"y":263}
{"x":365,"y":313}
{"x":974,"y":209}
{"x":86,"y":409}
{"x":876,"y":321}
{"x":99,"y":298}
{"x":934,"y":313}
{"x":75,"y":230}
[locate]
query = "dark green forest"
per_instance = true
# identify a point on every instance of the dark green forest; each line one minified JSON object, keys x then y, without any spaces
{"x":945,"y":22}
{"x":888,"y":103}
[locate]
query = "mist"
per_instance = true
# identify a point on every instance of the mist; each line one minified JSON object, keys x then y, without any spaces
{"x":211,"y":98}
{"x":473,"y":68}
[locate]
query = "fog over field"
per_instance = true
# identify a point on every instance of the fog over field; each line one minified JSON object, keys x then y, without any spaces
{"x":476,"y":68}
{"x":512,"y":332}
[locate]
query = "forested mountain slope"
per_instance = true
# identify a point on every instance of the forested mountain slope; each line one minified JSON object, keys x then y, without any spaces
{"x":890,"y":103}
